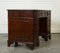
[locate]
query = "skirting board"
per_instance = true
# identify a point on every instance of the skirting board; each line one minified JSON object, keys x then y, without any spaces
{"x":6,"y":34}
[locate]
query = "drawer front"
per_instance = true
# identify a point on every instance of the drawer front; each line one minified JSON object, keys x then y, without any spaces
{"x":20,"y":13}
{"x":28,"y":13}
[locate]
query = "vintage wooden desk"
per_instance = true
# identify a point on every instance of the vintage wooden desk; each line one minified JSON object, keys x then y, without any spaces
{"x":25,"y":26}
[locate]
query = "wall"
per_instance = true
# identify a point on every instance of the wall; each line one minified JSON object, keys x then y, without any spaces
{"x":52,"y":5}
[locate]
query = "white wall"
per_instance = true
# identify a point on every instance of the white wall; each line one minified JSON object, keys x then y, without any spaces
{"x":52,"y":5}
